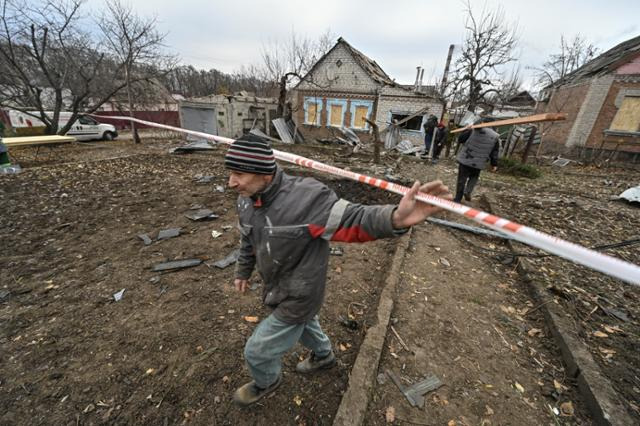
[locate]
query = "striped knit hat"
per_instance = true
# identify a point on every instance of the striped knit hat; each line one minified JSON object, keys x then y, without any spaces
{"x":250,"y":154}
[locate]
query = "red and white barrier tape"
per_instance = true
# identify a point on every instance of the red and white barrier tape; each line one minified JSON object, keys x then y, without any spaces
{"x":600,"y":262}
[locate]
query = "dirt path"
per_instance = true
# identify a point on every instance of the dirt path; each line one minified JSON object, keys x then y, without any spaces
{"x":464,"y":319}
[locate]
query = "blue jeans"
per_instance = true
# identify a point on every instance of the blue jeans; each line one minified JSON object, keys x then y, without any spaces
{"x":273,"y":338}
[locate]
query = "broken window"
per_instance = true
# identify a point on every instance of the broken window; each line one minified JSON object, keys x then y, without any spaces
{"x":312,"y":110}
{"x":414,"y":123}
{"x":627,"y":118}
{"x":359,"y":111}
{"x":336,"y":111}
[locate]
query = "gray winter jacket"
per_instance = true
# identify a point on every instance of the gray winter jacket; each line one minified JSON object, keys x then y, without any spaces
{"x":479,"y":147}
{"x":286,"y":233}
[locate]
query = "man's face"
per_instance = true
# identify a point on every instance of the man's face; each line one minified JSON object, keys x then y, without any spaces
{"x":248,"y":184}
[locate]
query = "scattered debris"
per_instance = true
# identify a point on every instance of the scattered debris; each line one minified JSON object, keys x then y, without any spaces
{"x":283,"y":130}
{"x":632,"y":195}
{"x":474,"y":229}
{"x":567,"y":409}
{"x":176,"y":264}
{"x":444,"y":262}
{"x":229,"y":260}
{"x":4,"y":294}
{"x":118,"y":296}
{"x":168,"y":233}
{"x":390,"y":415}
{"x":415,"y":393}
{"x":227,"y":227}
{"x":404,"y":345}
{"x":219,"y":188}
{"x":407,"y":148}
{"x":215,"y":234}
{"x":336,"y":251}
{"x":201,"y":214}
{"x":154,"y":280}
{"x":145,"y":239}
{"x":561,"y":162}
{"x":193,"y":147}
{"x":381,"y":378}
{"x":599,"y":333}
{"x":251,"y":319}
{"x":519,"y":387}
{"x":349,"y":323}
{"x":204,"y":179}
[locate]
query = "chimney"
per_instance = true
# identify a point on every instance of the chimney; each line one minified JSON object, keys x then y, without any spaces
{"x":421,"y":76}
{"x":415,"y":85}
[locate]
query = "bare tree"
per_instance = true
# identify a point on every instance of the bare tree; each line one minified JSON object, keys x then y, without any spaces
{"x":573,"y":54}
{"x":488,"y":46}
{"x":285,"y":63}
{"x":50,"y":62}
{"x":137,"y":45}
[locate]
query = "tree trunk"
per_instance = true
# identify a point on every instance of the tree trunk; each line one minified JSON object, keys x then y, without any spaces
{"x":376,"y":141}
{"x":282,"y":97}
{"x":134,"y":131}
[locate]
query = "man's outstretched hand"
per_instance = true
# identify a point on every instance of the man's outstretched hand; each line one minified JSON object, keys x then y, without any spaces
{"x":410,"y":211}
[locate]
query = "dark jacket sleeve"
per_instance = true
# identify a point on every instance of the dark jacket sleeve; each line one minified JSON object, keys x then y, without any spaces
{"x":493,"y":156}
{"x":246,"y":259}
{"x":464,"y":136}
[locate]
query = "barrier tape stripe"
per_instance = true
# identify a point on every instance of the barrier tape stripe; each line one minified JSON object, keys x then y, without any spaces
{"x":606,"y":264}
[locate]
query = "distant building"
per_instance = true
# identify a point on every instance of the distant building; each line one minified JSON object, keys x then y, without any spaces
{"x":602,"y":101}
{"x":344,"y":87}
{"x":520,"y":105}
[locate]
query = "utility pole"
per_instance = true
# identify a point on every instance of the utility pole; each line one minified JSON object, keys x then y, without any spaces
{"x":445,"y":77}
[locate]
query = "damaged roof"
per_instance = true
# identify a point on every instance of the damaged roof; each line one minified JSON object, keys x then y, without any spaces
{"x":605,"y":63}
{"x":369,"y":65}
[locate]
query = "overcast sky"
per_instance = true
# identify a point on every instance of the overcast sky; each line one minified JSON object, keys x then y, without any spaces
{"x":399,"y":35}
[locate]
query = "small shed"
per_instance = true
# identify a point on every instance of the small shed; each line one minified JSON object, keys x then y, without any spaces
{"x":228,"y":115}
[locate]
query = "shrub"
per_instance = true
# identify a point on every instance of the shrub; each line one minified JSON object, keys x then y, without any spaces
{"x":516,"y":168}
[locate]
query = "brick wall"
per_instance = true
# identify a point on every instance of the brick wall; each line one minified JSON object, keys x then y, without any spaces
{"x":589,"y":110}
{"x":386,"y":104}
{"x":569,"y":100}
{"x":606,"y":115}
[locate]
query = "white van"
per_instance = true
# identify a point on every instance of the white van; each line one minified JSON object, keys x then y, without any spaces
{"x":85,"y":128}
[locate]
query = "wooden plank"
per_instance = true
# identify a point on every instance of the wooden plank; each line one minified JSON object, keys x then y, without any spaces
{"x":36,"y":140}
{"x":520,"y":120}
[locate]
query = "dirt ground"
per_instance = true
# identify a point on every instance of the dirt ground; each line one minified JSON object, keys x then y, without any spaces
{"x":170,"y":351}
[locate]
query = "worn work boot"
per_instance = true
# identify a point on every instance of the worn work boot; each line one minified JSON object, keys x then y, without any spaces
{"x":313,"y":363}
{"x":467,"y":196}
{"x":249,"y":393}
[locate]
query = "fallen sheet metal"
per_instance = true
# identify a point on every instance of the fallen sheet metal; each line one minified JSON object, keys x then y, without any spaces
{"x":561,"y":162}
{"x":283,"y":130}
{"x":176,"y":264}
{"x":201,"y":214}
{"x":407,"y":148}
{"x":205,"y":179}
{"x":632,"y":195}
{"x":415,"y":393}
{"x":474,"y":229}
{"x":229,"y":260}
{"x":168,"y":233}
{"x":193,"y":147}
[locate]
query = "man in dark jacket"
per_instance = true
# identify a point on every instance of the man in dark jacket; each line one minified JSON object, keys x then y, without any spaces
{"x":442,"y":136}
{"x":286,"y":224}
{"x":478,"y":147}
{"x":429,"y":130}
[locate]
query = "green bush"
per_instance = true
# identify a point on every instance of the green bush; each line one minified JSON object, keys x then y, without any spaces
{"x":516,"y":168}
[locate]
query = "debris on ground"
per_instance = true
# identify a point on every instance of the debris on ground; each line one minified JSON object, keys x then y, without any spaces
{"x":118,"y":296}
{"x":336,"y":251}
{"x":463,"y":227}
{"x":201,"y":214}
{"x":229,"y":260}
{"x":632,"y":195}
{"x":415,"y":393}
{"x":193,"y":147}
{"x":215,"y":234}
{"x":168,"y":233}
{"x":204,"y":179}
{"x":145,"y":239}
{"x":176,"y":264}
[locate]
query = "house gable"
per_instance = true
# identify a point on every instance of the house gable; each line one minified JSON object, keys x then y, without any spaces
{"x":341,"y":70}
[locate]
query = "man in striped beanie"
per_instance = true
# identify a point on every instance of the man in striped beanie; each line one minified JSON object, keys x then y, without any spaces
{"x":286,"y":224}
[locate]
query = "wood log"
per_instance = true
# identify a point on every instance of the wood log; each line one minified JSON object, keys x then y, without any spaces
{"x":520,"y":120}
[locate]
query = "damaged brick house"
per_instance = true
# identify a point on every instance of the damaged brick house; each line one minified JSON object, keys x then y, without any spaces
{"x":344,"y":87}
{"x":602,"y":101}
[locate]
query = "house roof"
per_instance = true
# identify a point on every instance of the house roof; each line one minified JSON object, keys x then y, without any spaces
{"x":605,"y":63}
{"x":523,"y":98}
{"x":370,"y":66}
